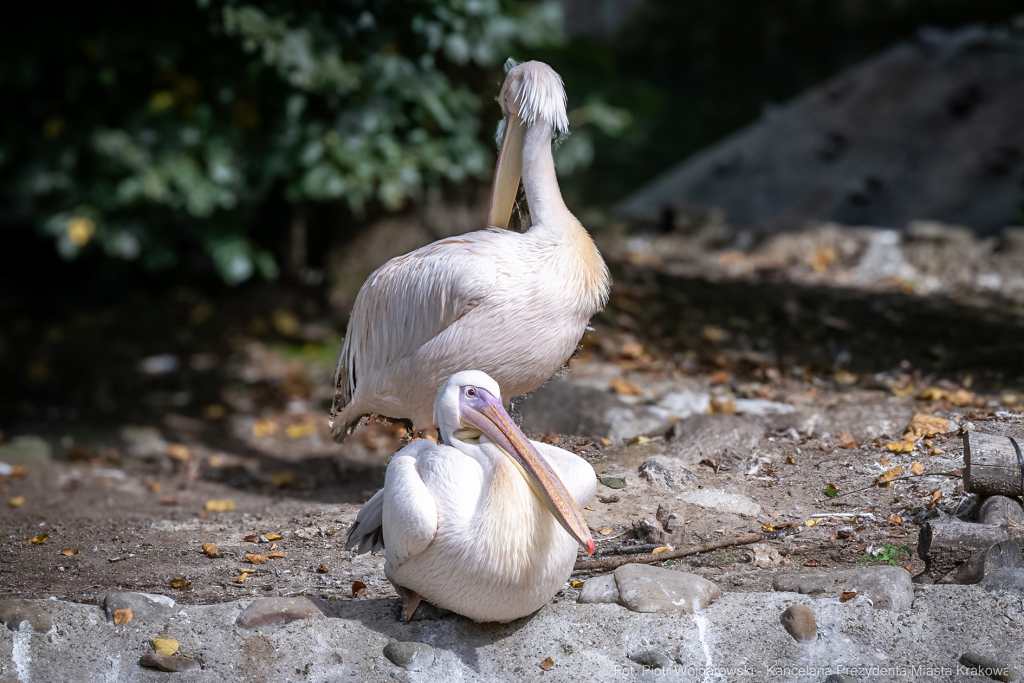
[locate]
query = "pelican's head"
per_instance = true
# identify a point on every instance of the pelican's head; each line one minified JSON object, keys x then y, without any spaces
{"x":468,"y":407}
{"x":533,"y":94}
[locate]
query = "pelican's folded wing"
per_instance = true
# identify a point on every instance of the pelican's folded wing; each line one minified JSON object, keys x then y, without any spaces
{"x":366,"y":534}
{"x":409,"y":511}
{"x":413,"y":298}
{"x":576,"y":473}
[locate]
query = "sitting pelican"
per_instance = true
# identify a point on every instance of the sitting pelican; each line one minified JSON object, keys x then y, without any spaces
{"x":487,"y":526}
{"x":513,"y":305}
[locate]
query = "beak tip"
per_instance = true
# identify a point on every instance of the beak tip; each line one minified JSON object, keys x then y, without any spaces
{"x":590,"y":546}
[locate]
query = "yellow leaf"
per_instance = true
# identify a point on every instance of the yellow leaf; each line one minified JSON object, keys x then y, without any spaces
{"x":936,"y":495}
{"x":659,"y":550}
{"x":917,"y":468}
{"x":884,"y":462}
{"x":932,"y":394}
{"x":936,"y":451}
{"x":180,"y":582}
{"x":886,"y":477}
{"x":165,"y":646}
{"x":17,"y":501}
{"x":767,"y":526}
{"x":178,"y":451}
{"x":605,"y":441}
{"x":844,"y":439}
{"x":962,"y":398}
{"x":577,"y":584}
{"x":40,"y":539}
{"x":264,"y":428}
{"x":282,"y":478}
{"x":926,"y":425}
{"x":275,"y":555}
{"x":625,"y":387}
{"x":895,"y":519}
{"x":68,"y":552}
{"x":242,"y":577}
{"x":905,"y":391}
{"x":122,"y":616}
{"x":299,"y":431}
{"x":812,"y":522}
{"x":844,"y":377}
{"x":211,"y":550}
{"x":273,"y":537}
{"x":255,"y":559}
{"x":724,"y":406}
{"x":225,"y":505}
{"x":154,"y":486}
{"x":639,"y":440}
{"x":790,"y":460}
{"x":605,"y":531}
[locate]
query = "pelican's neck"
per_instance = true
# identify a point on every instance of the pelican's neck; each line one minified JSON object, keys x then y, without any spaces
{"x":547,"y":209}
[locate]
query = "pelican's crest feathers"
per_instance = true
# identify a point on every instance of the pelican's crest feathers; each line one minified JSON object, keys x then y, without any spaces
{"x":535,"y":92}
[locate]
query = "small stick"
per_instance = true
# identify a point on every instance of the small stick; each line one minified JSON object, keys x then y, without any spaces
{"x":644,"y":549}
{"x":613,"y":562}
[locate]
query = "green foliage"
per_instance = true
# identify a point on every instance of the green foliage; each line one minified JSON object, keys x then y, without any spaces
{"x":142,"y":133}
{"x":887,"y":553}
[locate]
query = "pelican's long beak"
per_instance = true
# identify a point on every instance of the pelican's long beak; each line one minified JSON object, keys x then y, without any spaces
{"x":507,"y":173}
{"x":487,"y":414}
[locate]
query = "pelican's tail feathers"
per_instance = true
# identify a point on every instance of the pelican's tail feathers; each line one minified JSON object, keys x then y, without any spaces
{"x":366,"y":534}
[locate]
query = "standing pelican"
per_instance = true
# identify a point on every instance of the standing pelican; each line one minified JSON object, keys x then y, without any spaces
{"x":487,"y":526}
{"x":513,"y":305}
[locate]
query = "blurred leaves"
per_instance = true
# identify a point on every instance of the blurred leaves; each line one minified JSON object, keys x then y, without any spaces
{"x":142,"y":134}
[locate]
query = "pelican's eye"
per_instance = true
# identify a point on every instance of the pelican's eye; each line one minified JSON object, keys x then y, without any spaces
{"x":471,"y":392}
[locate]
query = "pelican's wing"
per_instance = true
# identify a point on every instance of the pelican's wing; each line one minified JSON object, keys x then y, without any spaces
{"x":575,"y":472}
{"x":409,"y":516}
{"x":366,"y":533}
{"x":411,"y":299}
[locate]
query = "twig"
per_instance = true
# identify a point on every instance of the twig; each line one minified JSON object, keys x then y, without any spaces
{"x":643,"y":549}
{"x":958,"y":473}
{"x":613,"y":562}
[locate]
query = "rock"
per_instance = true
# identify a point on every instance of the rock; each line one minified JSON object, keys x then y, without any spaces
{"x":716,"y":499}
{"x":649,"y":531}
{"x":143,"y":442}
{"x":675,"y":523}
{"x":600,"y":589}
{"x":15,"y":610}
{"x":681,"y":404}
{"x":985,"y":665}
{"x":762,"y":407}
{"x":1004,"y":580}
{"x":667,"y":472}
{"x":169,"y":663}
{"x":25,"y":450}
{"x":652,"y":658}
{"x":887,"y":587}
{"x":723,"y":438}
{"x":643,"y":588}
{"x":798,"y":620}
{"x":142,"y":605}
{"x":277,"y":612}
{"x":409,"y":655}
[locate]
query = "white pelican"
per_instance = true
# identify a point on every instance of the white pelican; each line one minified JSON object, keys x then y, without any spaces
{"x":513,"y":305}
{"x":487,"y":526}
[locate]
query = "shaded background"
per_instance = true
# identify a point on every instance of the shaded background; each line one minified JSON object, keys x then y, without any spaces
{"x":191,"y":194}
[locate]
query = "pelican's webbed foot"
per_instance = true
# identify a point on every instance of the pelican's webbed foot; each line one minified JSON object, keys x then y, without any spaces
{"x":415,"y":608}
{"x":410,"y":601}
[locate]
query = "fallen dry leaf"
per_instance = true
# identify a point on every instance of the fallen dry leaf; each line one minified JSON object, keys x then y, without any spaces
{"x":41,"y":538}
{"x":720,"y":377}
{"x":323,"y":569}
{"x":846,"y":596}
{"x":122,"y":616}
{"x":901,"y":446}
{"x":936,"y":451}
{"x":255,"y":559}
{"x":273,"y":537}
{"x":932,"y":394}
{"x":962,"y":398}
{"x":661,"y":549}
{"x":242,"y":577}
{"x":210,"y":550}
{"x":900,"y":392}
{"x":790,"y":460}
{"x":917,"y":468}
{"x":178,"y":451}
{"x":358,"y":588}
{"x":180,"y":582}
{"x":283,"y":478}
{"x":299,"y":431}
{"x":576,"y":584}
{"x":884,"y":461}
{"x":550,"y":437}
{"x":725,"y":406}
{"x":251,"y":538}
{"x":225,"y":505}
{"x":925,"y":425}
{"x":844,"y":377}
{"x":624,"y":387}
{"x":831,"y":490}
{"x":548,"y":664}
{"x":264,"y":428}
{"x":68,"y":552}
{"x":165,"y":646}
{"x":638,"y":440}
{"x":767,"y":526}
{"x":169,"y":500}
{"x":276,"y":554}
{"x":844,"y":439}
{"x":154,"y":487}
{"x":606,"y":441}
{"x":812,"y":522}
{"x":885,"y":478}
{"x":895,"y":519}
{"x":605,"y":531}
{"x":17,"y":501}
{"x":936,"y":494}
{"x":812,"y":563}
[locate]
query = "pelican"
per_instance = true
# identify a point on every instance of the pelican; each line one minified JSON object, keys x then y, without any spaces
{"x":513,"y":305}
{"x":487,"y":525}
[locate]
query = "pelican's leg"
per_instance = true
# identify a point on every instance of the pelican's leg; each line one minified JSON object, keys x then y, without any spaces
{"x":410,"y":601}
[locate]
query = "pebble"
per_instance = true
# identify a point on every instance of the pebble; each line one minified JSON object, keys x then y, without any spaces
{"x":142,"y":605}
{"x":143,"y":442}
{"x":670,"y":473}
{"x":277,"y":612}
{"x":987,"y":666}
{"x":887,"y":587}
{"x":14,"y":611}
{"x":798,"y":620}
{"x":25,"y":450}
{"x":652,"y":658}
{"x":643,"y":588}
{"x":169,"y":663}
{"x":600,"y":589}
{"x":409,"y":655}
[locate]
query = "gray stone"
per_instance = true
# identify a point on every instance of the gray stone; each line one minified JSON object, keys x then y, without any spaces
{"x":798,"y":620}
{"x":887,"y":587}
{"x":25,"y":450}
{"x":716,"y":499}
{"x":643,"y":588}
{"x":649,"y":531}
{"x":984,"y":665}
{"x":599,"y":589}
{"x":142,"y":605}
{"x":277,"y":612}
{"x":1004,"y":580}
{"x":722,"y":438}
{"x":409,"y":655}
{"x":143,"y":442}
{"x":169,"y":663}
{"x":652,"y":658}
{"x":666,"y":472}
{"x":15,"y":610}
